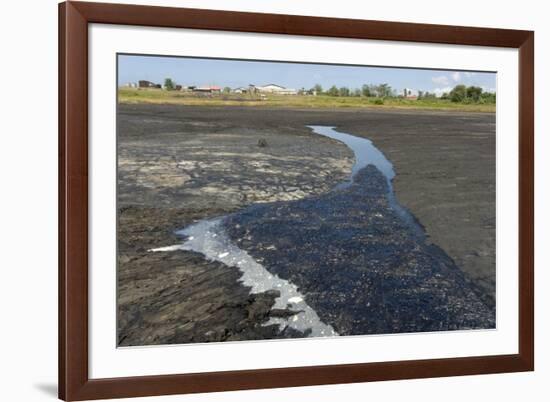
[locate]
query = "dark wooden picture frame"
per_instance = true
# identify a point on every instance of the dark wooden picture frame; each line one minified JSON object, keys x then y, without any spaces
{"x":74,"y":381}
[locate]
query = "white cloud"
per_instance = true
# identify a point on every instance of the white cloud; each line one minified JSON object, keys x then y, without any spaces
{"x":445,"y":80}
{"x":440,"y":80}
{"x":440,"y":91}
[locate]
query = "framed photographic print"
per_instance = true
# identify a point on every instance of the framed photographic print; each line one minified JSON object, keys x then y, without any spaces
{"x":260,"y":200}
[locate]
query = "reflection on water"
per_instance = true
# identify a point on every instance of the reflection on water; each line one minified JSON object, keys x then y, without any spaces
{"x":365,"y":154}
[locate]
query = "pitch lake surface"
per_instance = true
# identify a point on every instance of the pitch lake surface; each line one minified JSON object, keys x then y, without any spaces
{"x":251,"y":241}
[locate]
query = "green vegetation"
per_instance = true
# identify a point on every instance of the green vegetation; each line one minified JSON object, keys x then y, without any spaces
{"x":169,"y":84}
{"x":333,"y":91}
{"x":468,"y":95}
{"x":367,"y":96}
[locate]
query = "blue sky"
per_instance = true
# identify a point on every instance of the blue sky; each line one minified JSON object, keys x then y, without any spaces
{"x":235,"y":73}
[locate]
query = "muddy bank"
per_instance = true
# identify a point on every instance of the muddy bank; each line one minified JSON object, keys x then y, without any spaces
{"x":179,"y":297}
{"x":170,"y":158}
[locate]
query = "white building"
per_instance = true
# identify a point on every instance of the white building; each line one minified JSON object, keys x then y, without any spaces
{"x":274,"y":89}
{"x":410,"y":93}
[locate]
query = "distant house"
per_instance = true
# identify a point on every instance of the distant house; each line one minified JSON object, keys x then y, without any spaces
{"x":146,"y":84}
{"x":409,"y":93}
{"x":208,"y":89}
{"x":240,"y":90}
{"x":274,"y":89}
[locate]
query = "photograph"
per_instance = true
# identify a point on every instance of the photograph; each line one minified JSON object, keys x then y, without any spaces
{"x":263,"y":200}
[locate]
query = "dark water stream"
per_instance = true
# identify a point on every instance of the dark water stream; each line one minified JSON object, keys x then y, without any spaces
{"x":365,"y":154}
{"x":358,"y":255}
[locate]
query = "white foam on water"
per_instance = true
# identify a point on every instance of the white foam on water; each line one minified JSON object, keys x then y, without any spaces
{"x":167,"y":248}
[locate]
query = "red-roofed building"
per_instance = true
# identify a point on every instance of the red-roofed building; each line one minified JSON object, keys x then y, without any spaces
{"x":208,"y":89}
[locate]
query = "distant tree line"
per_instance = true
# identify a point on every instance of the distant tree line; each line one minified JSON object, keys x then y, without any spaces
{"x":378,"y":91}
{"x":471,"y":94}
{"x":459,"y":94}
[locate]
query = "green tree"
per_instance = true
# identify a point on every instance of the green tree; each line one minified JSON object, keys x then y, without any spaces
{"x":318,"y":89}
{"x":333,"y":91}
{"x":474,"y":93}
{"x":488,"y":97}
{"x":226,"y":90}
{"x":373,"y":90}
{"x":169,"y":84}
{"x":428,"y":95}
{"x":365,"y":90}
{"x":356,"y":92}
{"x":343,"y":91}
{"x":458,"y":93}
{"x":384,"y":90}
